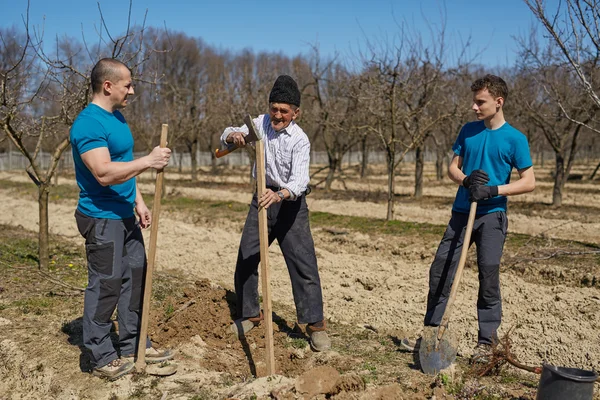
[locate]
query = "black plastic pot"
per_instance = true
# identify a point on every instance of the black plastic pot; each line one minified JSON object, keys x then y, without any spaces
{"x":559,"y":383}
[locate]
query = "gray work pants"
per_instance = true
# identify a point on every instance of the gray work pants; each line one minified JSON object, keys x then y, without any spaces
{"x":489,"y":234}
{"x":116,"y":267}
{"x":288,"y":223}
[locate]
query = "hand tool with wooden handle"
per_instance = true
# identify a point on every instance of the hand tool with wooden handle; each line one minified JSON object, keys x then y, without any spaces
{"x":263,"y":231}
{"x":438,"y":344}
{"x":140,"y":363}
{"x":252,"y":136}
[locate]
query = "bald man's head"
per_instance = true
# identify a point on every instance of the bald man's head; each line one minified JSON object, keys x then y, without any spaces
{"x":107,"y":69}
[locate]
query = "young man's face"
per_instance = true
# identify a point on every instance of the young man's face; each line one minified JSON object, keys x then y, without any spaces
{"x":281,"y":115}
{"x":485,"y":105}
{"x":120,"y":89}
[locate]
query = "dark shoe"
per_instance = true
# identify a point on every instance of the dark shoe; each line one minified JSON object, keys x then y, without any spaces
{"x":153,"y":356}
{"x":482,"y":354}
{"x":411,"y":345}
{"x":241,"y":327}
{"x":114,"y":369}
{"x":319,"y":340}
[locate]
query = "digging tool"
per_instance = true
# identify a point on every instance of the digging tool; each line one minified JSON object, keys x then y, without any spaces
{"x":141,"y":351}
{"x":439,"y":344}
{"x":252,"y":136}
{"x":263,"y":232}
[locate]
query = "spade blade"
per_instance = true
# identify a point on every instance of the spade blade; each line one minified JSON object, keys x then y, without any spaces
{"x":434,"y":358}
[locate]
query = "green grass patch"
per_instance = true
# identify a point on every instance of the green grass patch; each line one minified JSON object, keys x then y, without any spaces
{"x":375,"y":225}
{"x":297,"y":343}
{"x":35,"y":305}
{"x":18,"y":251}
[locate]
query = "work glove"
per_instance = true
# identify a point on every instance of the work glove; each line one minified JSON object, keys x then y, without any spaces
{"x":481,"y":192}
{"x":477,"y":177}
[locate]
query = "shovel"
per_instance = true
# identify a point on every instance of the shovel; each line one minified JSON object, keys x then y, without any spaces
{"x":439,"y":344}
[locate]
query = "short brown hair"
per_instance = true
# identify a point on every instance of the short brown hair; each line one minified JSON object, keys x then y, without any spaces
{"x":107,"y":69}
{"x":494,"y":84}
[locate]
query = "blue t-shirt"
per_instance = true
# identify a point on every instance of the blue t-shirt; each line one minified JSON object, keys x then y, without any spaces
{"x":94,"y":128}
{"x":496,"y":152}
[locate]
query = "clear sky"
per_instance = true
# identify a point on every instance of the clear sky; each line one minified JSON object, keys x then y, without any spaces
{"x":290,"y":27}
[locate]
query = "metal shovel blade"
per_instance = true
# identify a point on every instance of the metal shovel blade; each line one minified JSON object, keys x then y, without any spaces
{"x":435,"y":356}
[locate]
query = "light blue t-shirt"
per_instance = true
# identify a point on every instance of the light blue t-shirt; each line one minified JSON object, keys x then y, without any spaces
{"x":496,"y":152}
{"x":94,"y":128}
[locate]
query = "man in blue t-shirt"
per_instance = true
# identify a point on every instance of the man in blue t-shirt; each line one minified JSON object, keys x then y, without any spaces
{"x":485,"y":153}
{"x":105,"y":170}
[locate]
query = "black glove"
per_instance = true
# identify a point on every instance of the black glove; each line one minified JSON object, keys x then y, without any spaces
{"x":477,"y":177}
{"x":480,"y":192}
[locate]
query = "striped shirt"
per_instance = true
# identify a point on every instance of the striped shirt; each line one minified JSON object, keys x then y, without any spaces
{"x":287,"y":155}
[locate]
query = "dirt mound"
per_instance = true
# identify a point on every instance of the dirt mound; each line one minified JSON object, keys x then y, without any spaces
{"x":203,"y":313}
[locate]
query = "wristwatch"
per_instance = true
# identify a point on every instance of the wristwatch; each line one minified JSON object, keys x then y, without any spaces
{"x":281,"y":195}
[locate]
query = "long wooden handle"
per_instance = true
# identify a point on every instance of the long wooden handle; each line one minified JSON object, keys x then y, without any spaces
{"x":459,"y":270}
{"x":263,"y":231}
{"x":141,"y":350}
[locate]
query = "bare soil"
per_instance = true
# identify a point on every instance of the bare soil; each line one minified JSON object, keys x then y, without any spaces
{"x":374,"y":277}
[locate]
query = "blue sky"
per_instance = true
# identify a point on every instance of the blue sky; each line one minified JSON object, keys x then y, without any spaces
{"x":290,"y":27}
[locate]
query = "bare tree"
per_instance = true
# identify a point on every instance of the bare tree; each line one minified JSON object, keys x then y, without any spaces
{"x":404,"y":77}
{"x":575,"y":31}
{"x":546,"y":114}
{"x":27,"y":87}
{"x":574,"y":35}
{"x":333,"y":102}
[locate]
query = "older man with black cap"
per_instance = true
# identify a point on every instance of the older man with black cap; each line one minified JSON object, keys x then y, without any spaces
{"x":287,"y":156}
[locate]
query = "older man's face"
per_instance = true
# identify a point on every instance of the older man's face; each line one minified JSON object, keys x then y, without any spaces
{"x":282,"y":114}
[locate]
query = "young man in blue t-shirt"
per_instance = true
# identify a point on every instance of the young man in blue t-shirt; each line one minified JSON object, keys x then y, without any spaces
{"x":485,"y":153}
{"x":105,"y":171}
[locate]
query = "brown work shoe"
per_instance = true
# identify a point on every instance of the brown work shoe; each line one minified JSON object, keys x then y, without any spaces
{"x":319,"y":340}
{"x":152,"y":356}
{"x":242,"y":326}
{"x":114,"y":369}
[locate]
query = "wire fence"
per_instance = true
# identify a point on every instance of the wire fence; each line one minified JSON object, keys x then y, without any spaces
{"x":14,"y":160}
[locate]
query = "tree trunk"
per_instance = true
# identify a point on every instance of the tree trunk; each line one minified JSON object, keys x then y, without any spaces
{"x":333,"y":166}
{"x":595,"y":171}
{"x":439,"y":164}
{"x":391,"y":160}
{"x":419,"y":161}
{"x":559,"y":180}
{"x":43,"y":239}
{"x":364,"y":164}
{"x":194,"y":160}
{"x":542,"y":162}
{"x":180,"y":163}
{"x":57,"y":172}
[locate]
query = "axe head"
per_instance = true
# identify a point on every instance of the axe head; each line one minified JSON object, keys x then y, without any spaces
{"x":253,"y":133}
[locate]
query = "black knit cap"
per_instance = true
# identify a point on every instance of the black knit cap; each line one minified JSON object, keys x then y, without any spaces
{"x":285,"y":90}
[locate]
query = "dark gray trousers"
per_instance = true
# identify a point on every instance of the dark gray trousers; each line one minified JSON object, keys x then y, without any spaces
{"x":489,"y":234}
{"x":116,"y":266}
{"x":288,"y":223}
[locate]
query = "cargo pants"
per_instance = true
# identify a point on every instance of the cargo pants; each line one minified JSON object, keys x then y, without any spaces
{"x":116,"y":267}
{"x":489,"y":234}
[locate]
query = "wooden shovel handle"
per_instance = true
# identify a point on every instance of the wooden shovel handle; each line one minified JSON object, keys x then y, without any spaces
{"x":459,"y":270}
{"x":141,"y":350}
